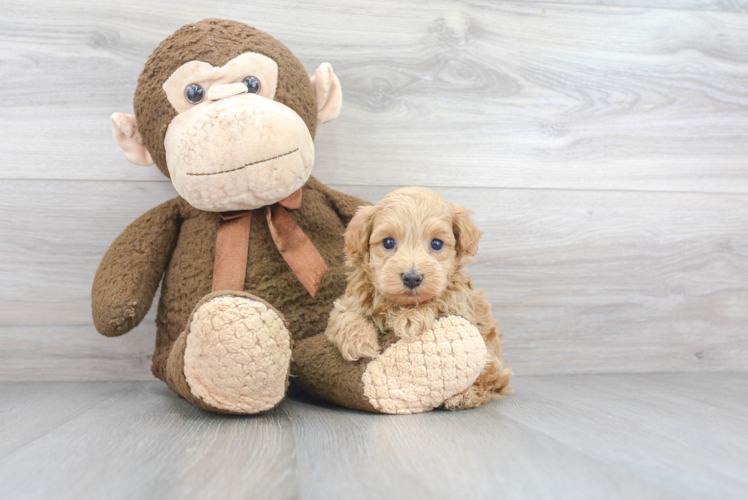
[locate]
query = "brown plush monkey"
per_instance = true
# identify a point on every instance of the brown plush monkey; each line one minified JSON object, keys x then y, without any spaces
{"x":250,"y":255}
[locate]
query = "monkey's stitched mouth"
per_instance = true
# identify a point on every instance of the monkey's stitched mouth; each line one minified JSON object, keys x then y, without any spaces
{"x":245,"y":166}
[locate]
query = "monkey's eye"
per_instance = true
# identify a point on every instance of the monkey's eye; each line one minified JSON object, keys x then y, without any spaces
{"x":437,"y":244}
{"x":194,"y":93}
{"x":252,"y":83}
{"x":388,"y":243}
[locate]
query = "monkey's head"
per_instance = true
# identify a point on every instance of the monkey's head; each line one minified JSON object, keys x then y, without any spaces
{"x":229,"y":114}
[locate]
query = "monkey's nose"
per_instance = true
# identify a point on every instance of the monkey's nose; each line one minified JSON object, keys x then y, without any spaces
{"x":411,"y":279}
{"x":217,"y":92}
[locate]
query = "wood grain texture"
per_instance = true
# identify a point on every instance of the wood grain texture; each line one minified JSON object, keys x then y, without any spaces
{"x":602,"y":148}
{"x":28,"y":411}
{"x":620,"y":420}
{"x":580,"y":281}
{"x":476,"y":454}
{"x":707,"y":5}
{"x":144,"y":442}
{"x":624,"y":436}
{"x":441,"y":93}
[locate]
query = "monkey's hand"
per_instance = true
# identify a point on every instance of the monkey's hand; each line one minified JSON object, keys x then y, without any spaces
{"x":131,"y":270}
{"x":353,"y":334}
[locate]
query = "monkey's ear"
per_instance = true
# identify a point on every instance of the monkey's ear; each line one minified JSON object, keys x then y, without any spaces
{"x":125,"y":131}
{"x":466,"y":232}
{"x":329,"y":94}
{"x":358,"y":232}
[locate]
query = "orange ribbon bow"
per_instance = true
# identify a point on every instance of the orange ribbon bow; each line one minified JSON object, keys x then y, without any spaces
{"x":232,"y":247}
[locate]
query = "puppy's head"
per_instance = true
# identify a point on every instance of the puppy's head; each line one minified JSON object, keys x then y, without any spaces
{"x":409,"y":245}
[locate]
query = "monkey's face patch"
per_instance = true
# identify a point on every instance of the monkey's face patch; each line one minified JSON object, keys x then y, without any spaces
{"x":232,"y":147}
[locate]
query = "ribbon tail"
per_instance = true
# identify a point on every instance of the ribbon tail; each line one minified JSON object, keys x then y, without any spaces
{"x":296,"y":248}
{"x":232,"y":248}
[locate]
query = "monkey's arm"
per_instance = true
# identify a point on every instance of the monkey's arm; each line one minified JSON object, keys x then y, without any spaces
{"x":131,"y":269}
{"x":351,"y":331}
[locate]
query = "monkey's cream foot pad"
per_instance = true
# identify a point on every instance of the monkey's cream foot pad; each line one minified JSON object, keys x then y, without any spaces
{"x":417,"y":376}
{"x":237,"y":355}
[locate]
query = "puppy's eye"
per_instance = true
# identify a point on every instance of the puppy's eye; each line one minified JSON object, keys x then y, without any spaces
{"x":194,"y":93}
{"x":437,"y":244}
{"x":388,"y":243}
{"x":252,"y":83}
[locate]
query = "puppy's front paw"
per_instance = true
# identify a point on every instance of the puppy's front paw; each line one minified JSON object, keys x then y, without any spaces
{"x":360,"y":341}
{"x":409,"y":326}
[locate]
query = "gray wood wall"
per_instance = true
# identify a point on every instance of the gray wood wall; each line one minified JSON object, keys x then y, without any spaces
{"x":601,"y":144}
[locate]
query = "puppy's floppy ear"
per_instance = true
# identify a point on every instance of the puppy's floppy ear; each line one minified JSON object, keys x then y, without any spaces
{"x":466,"y":232}
{"x":358,"y":232}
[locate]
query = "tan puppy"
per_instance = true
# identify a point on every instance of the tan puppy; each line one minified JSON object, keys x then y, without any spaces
{"x":408,"y":255}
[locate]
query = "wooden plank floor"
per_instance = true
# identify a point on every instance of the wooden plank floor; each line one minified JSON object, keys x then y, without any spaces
{"x":589,"y":436}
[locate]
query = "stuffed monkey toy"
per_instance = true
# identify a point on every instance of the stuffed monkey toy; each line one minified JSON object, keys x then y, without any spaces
{"x":250,"y":254}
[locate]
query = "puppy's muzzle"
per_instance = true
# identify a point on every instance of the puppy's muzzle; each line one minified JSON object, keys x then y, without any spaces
{"x":412,"y":279}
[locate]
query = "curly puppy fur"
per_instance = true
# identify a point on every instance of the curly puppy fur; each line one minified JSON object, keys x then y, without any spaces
{"x":378,"y":304}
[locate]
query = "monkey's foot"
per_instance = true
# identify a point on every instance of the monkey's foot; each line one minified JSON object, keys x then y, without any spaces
{"x":237,"y":354}
{"x":418,"y":376}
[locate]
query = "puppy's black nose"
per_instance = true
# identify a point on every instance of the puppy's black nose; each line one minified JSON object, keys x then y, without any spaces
{"x":412,"y":279}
